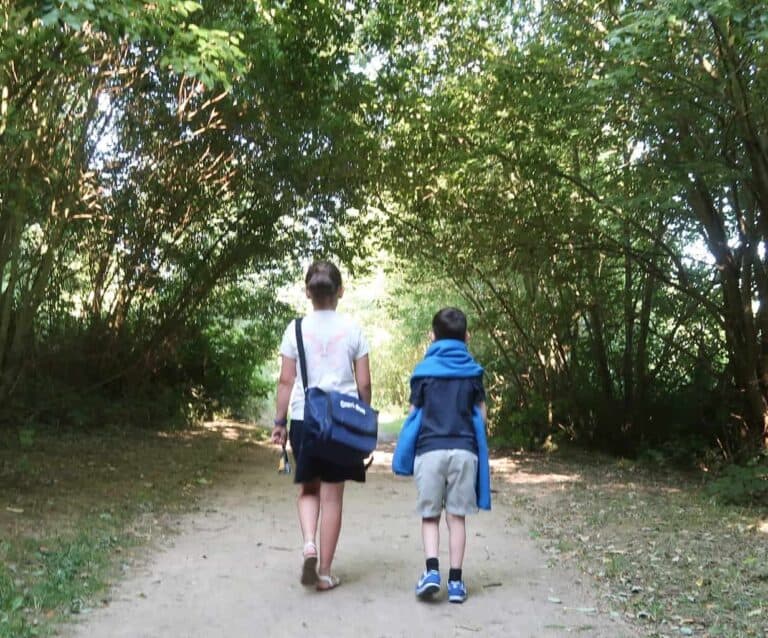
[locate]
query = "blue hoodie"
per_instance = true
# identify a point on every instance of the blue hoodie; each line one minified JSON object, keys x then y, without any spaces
{"x":446,"y":358}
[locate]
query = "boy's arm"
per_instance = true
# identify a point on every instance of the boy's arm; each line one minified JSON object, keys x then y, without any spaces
{"x":415,"y":400}
{"x":483,"y":411}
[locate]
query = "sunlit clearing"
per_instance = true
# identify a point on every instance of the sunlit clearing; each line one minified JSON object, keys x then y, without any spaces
{"x":514,"y":474}
{"x":230,"y":431}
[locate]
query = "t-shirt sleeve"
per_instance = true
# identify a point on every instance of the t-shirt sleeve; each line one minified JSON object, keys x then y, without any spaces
{"x":361,"y":347}
{"x":478,"y":390}
{"x":288,"y":347}
{"x":417,"y":392}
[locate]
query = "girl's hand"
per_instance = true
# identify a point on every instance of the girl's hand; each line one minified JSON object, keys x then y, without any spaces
{"x":279,"y":435}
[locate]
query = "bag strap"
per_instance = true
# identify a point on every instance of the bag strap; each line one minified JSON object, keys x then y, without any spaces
{"x":303,"y":369}
{"x":302,"y":356}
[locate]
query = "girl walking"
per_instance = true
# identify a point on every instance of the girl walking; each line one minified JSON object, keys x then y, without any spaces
{"x":336,"y":353}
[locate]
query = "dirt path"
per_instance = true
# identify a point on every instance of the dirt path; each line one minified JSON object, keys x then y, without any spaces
{"x":233,"y":572}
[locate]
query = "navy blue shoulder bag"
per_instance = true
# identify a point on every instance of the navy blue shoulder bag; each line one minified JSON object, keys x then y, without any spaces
{"x":342,"y":428}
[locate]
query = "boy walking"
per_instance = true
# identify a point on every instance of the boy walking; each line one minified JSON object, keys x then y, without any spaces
{"x":443,"y":444}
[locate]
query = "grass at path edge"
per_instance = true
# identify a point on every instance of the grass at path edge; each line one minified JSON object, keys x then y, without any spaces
{"x":74,"y":508}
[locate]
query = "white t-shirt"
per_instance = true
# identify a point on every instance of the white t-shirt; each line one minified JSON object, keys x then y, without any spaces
{"x":332,"y":343}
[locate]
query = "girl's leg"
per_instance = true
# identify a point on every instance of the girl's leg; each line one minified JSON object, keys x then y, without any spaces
{"x":430,"y":536}
{"x":308,"y":505}
{"x":331,"y":501}
{"x":457,"y":538}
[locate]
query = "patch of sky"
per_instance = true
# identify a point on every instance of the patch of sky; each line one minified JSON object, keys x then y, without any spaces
{"x":370,"y":68}
{"x":696,"y":253}
{"x":106,"y":143}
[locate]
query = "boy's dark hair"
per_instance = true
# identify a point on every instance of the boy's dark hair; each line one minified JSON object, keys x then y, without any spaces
{"x":450,"y":323}
{"x":323,"y":280}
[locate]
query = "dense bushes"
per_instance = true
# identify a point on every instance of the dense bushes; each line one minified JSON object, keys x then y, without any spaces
{"x":84,"y":376}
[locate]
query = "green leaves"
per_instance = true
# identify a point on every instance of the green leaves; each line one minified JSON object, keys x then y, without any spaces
{"x":164,"y":150}
{"x":542,"y":164}
{"x":187,"y":7}
{"x":51,"y":18}
{"x":211,"y":55}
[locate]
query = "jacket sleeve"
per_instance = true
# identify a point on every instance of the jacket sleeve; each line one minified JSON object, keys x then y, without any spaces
{"x":405,"y":448}
{"x":483,"y":484}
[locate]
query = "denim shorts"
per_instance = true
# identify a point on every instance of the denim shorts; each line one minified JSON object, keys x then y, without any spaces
{"x":446,"y":479}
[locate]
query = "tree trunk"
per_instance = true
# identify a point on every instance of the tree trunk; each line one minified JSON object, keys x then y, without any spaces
{"x":595,"y":325}
{"x":641,"y":362}
{"x":629,"y":332}
{"x":739,"y":319}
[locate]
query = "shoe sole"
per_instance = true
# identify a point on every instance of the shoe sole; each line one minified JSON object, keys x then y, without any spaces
{"x":309,"y":571}
{"x":456,"y":599}
{"x":428,"y":590}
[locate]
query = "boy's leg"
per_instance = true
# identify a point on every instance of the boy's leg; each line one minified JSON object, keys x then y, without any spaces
{"x":429,"y":581}
{"x":457,"y":539}
{"x":460,"y":501}
{"x":430,"y":536}
{"x":429,"y":473}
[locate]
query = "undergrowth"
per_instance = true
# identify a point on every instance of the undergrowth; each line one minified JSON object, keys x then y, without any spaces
{"x":78,"y":504}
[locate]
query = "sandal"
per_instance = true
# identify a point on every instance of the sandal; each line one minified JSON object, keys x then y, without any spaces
{"x":326,"y":582}
{"x":309,"y":566}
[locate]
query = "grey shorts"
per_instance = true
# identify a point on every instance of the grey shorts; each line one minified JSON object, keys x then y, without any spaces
{"x":446,"y":479}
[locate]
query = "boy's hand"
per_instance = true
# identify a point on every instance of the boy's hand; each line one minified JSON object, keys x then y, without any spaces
{"x":279,"y":435}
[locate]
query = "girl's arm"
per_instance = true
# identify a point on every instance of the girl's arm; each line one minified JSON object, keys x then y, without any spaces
{"x":284,"y":389}
{"x":363,"y":378}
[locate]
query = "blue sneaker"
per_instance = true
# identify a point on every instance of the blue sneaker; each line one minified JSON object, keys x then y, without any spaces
{"x":429,"y":584}
{"x":457,"y":591}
